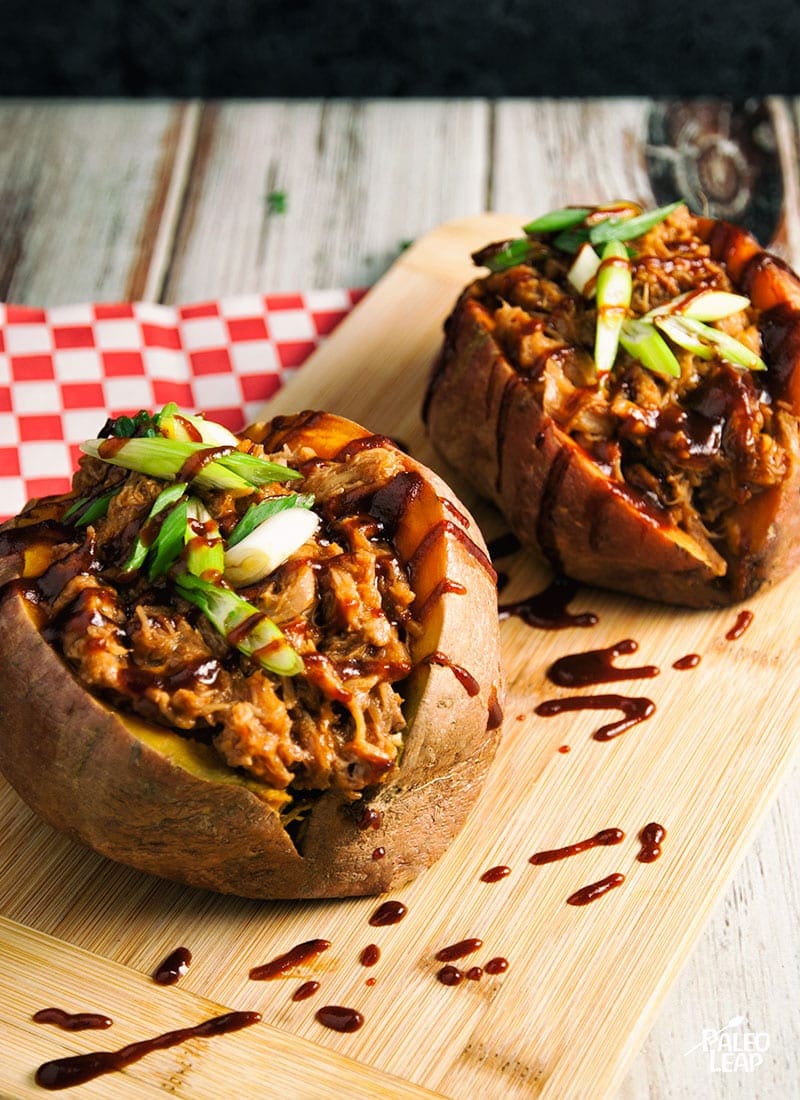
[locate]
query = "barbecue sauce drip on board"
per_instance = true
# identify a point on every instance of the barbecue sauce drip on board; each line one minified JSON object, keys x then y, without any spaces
{"x":595,"y":666}
{"x":450,"y":975}
{"x":651,"y":838}
{"x":370,"y":955}
{"x":458,"y":950}
{"x":634,"y":708}
{"x":547,"y":609}
{"x":691,"y":660}
{"x":497,"y":965}
{"x":173,"y":967}
{"x":743,"y":620}
{"x":595,"y":890}
{"x":304,"y":991}
{"x":495,"y":874}
{"x":62,"y":1073}
{"x":282,"y":964}
{"x":72,"y":1021}
{"x":338,"y":1018}
{"x":602,"y":839}
{"x":390,"y":912}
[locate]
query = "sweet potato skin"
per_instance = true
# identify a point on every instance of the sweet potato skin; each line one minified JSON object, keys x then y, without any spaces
{"x":483,"y":417}
{"x":86,"y":770}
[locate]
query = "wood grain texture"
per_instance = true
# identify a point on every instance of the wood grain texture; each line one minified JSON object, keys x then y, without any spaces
{"x":359,"y":178}
{"x":32,"y":966}
{"x":58,"y":204}
{"x":84,"y":196}
{"x":590,"y":980}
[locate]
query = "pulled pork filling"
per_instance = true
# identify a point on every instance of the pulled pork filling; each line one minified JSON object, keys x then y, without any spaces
{"x":693,"y":447}
{"x":342,"y":601}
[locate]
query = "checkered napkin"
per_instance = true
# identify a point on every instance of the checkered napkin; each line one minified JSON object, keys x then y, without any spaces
{"x":63,"y":371}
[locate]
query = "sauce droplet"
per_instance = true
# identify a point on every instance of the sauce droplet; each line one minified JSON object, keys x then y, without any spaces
{"x":743,"y":620}
{"x":450,"y":975}
{"x":498,"y":965}
{"x":370,"y":818}
{"x":370,"y":955}
{"x":651,"y":838}
{"x":595,"y":666}
{"x":595,"y":890}
{"x":370,"y":981}
{"x":475,"y":973}
{"x":466,"y":679}
{"x":601,"y":839}
{"x":391,"y":912}
{"x":282,"y":964}
{"x":634,"y":708}
{"x":339,"y":1018}
{"x":691,"y":660}
{"x":494,"y":874}
{"x":62,"y":1073}
{"x":304,"y":991}
{"x":379,"y":853}
{"x":458,"y":950}
{"x":72,"y":1021}
{"x":564,"y":748}
{"x":547,"y":609}
{"x":173,"y":967}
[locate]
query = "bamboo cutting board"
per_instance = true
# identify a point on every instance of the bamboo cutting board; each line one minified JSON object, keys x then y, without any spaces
{"x":583,"y":984}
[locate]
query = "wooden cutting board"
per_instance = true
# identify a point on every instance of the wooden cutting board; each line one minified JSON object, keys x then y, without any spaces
{"x":583,"y":983}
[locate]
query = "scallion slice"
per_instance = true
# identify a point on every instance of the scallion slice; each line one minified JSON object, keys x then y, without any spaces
{"x":556,"y":220}
{"x":625,"y":229}
{"x":94,"y":508}
{"x":672,"y":328}
{"x":257,"y":513}
{"x":701,"y":305}
{"x":166,"y":458}
{"x":242,"y":625}
{"x":205,"y":553}
{"x":142,"y":545}
{"x":728,"y":348}
{"x":614,"y":289}
{"x":169,"y":542}
{"x":643,"y":343}
{"x":584,"y":268}
{"x":499,"y":257}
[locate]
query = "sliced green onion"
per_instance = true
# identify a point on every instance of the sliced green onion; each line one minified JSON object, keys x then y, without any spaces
{"x":165,"y":459}
{"x":96,"y":509}
{"x":257,"y":513}
{"x":673,"y":329}
{"x":702,"y":305}
{"x":505,"y":254}
{"x":571,"y":239}
{"x":230,"y":615}
{"x":271,"y":544}
{"x":584,"y":268}
{"x":205,"y":554}
{"x":625,"y":229}
{"x":142,"y":545}
{"x":169,"y":542}
{"x":726,"y":346}
{"x":556,"y":220}
{"x":643,"y":343}
{"x":175,"y":424}
{"x":614,"y":290}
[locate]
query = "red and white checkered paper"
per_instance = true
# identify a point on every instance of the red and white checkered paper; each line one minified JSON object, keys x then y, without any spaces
{"x":63,"y":371}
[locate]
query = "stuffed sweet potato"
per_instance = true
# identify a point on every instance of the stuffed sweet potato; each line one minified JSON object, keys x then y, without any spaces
{"x":625,"y":387}
{"x":250,"y":665}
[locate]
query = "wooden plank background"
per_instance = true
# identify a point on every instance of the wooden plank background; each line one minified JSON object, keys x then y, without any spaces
{"x":165,"y":201}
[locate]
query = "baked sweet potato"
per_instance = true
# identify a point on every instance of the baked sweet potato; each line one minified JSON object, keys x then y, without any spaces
{"x":140,"y":727}
{"x":672,"y":475}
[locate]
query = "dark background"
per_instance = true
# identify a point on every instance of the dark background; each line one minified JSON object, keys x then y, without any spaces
{"x":399,"y":48}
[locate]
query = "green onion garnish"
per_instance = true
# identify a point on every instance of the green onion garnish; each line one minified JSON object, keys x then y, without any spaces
{"x":614,"y":289}
{"x":96,"y":509}
{"x":205,"y":554}
{"x":166,"y":458}
{"x":584,"y":268}
{"x":505,"y":254}
{"x":242,"y":625}
{"x":257,"y":513}
{"x":557,"y":220}
{"x":142,"y":545}
{"x":643,"y":343}
{"x":671,"y":327}
{"x":625,"y":229}
{"x":169,"y":541}
{"x":701,"y":305}
{"x":726,"y":347}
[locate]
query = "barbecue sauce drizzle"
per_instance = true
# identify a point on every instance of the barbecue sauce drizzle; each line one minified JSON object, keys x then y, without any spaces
{"x":282,"y":964}
{"x":602,"y":839}
{"x":634,"y":708}
{"x":173,"y":967}
{"x":595,"y":890}
{"x":595,"y":666}
{"x":651,"y":838}
{"x":72,"y":1021}
{"x":547,"y":609}
{"x":62,"y":1073}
